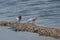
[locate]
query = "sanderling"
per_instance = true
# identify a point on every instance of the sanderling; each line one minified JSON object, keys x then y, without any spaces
{"x":18,"y":18}
{"x":31,"y":20}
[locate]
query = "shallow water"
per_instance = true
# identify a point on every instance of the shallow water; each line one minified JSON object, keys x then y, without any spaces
{"x":46,"y":11}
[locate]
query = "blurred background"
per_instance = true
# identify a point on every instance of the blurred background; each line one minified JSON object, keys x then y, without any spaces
{"x":46,"y":11}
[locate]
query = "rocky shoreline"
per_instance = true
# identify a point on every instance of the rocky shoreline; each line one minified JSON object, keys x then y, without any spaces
{"x":52,"y":32}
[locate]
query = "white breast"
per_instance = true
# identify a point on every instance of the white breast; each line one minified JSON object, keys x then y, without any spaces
{"x":17,"y":19}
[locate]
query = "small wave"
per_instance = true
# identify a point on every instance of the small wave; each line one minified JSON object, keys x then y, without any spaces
{"x":55,"y":0}
{"x":23,"y":0}
{"x":49,"y":15}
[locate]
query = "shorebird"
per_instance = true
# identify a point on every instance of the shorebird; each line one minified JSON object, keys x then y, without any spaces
{"x":31,"y":20}
{"x":18,"y":18}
